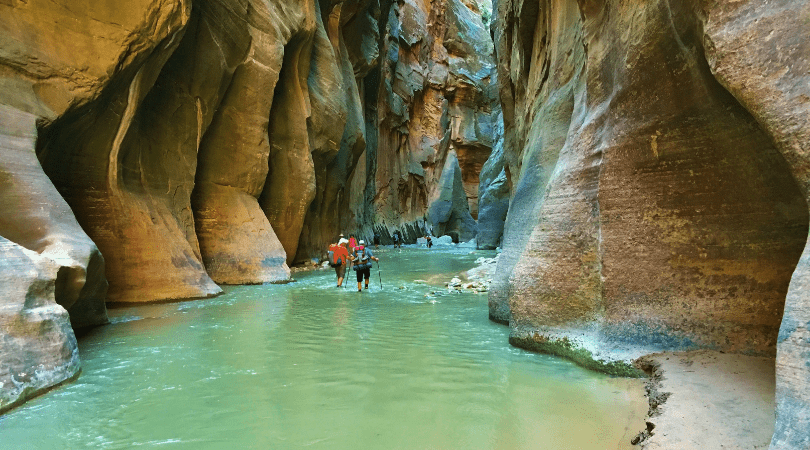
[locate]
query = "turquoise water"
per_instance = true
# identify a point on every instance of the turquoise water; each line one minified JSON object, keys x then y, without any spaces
{"x":308,"y":365}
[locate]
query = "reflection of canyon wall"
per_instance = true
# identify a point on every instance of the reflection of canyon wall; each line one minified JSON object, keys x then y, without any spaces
{"x":653,"y":153}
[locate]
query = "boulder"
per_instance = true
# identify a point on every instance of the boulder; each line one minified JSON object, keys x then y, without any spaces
{"x":38,"y":348}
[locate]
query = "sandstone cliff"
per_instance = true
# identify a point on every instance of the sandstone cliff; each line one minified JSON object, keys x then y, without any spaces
{"x":657,"y":155}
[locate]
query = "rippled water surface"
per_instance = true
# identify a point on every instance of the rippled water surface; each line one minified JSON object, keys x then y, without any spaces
{"x":307,"y":365}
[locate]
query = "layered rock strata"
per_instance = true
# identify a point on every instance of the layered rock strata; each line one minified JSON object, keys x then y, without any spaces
{"x":654,"y":153}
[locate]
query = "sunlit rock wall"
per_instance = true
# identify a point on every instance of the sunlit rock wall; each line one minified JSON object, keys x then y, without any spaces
{"x":56,"y":58}
{"x":653,"y":153}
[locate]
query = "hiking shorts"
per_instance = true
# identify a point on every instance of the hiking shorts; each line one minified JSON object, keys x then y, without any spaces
{"x":340,"y":270}
{"x":363,"y":273}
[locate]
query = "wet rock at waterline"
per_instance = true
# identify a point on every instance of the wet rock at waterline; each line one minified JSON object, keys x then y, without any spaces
{"x":38,"y":348}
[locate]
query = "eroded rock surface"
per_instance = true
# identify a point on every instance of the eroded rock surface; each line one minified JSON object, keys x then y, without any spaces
{"x":37,"y":346}
{"x":760,"y":51}
{"x":436,"y":96}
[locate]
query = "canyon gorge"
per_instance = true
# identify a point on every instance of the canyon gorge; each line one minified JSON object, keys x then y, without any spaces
{"x":644,"y":168}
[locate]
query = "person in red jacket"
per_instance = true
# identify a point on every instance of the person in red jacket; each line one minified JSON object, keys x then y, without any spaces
{"x":339,"y":259}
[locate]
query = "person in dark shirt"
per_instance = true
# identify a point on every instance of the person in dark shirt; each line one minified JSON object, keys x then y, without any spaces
{"x":362,"y":258}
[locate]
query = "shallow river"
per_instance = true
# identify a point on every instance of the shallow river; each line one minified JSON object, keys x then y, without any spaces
{"x":307,"y":365}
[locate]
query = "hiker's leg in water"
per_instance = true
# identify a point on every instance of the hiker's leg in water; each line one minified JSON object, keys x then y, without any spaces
{"x":341,"y":272}
{"x":366,"y":275}
{"x":359,"y":280}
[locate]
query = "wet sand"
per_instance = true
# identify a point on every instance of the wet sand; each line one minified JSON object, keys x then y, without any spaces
{"x":710,"y":400}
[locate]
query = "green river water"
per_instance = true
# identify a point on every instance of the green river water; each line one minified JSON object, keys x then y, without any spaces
{"x":307,"y":365}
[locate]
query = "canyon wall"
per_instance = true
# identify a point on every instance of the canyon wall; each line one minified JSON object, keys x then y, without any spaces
{"x":657,"y":158}
{"x":435,"y":107}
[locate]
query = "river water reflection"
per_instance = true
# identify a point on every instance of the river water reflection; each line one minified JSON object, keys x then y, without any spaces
{"x":307,"y":365}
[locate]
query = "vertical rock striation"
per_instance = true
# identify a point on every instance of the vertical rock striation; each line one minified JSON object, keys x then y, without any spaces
{"x":436,"y":96}
{"x":128,"y":187}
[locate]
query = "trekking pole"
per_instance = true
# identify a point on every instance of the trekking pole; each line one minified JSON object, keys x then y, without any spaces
{"x":379,"y":273}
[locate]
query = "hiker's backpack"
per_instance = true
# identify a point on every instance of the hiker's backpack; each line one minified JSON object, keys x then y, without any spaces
{"x":332,"y":262}
{"x":362,"y":265}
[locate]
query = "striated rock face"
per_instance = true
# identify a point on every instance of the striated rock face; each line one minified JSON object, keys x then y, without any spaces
{"x":216,"y":142}
{"x":56,"y":59}
{"x":345,"y":50}
{"x":38,"y":219}
{"x":654,"y":152}
{"x":435,"y":96}
{"x":761,"y":53}
{"x":38,"y":348}
{"x":99,"y":155}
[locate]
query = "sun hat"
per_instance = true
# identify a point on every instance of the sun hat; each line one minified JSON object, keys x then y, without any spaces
{"x":343,"y":241}
{"x":362,"y":242}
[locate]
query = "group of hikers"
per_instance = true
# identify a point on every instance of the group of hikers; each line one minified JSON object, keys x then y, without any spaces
{"x":351,"y":252}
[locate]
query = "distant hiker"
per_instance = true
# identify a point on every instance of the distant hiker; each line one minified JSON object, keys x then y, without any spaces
{"x":339,"y":258}
{"x":352,"y":242}
{"x":376,"y":239}
{"x":362,"y":264}
{"x":429,"y":241}
{"x":396,"y":239}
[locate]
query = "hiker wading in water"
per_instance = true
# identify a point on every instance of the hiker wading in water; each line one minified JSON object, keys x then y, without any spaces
{"x":339,"y":259}
{"x":362,"y":258}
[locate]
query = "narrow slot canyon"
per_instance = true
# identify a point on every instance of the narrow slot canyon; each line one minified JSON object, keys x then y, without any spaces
{"x":631,"y":179}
